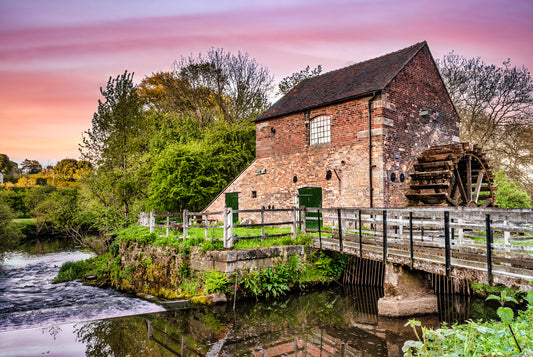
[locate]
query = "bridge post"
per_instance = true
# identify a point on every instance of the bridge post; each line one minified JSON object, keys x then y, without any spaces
{"x":407,"y":293}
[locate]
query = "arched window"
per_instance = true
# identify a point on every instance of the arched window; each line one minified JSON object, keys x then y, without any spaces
{"x":320,"y":130}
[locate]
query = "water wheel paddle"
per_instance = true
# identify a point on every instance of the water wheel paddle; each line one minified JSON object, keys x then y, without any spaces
{"x":452,"y":175}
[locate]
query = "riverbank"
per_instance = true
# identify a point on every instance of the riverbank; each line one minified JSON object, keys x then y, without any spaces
{"x":146,"y":264}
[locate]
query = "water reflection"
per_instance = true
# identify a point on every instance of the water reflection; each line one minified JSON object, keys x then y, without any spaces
{"x":335,"y":322}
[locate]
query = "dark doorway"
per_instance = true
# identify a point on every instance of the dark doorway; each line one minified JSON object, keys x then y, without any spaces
{"x":311,"y":197}
{"x":232,"y":200}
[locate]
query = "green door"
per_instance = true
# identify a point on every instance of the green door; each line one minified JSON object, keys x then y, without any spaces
{"x":232,"y":200}
{"x":311,"y":197}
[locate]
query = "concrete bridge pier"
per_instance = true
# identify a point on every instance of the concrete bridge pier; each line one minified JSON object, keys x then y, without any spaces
{"x":406,"y":293}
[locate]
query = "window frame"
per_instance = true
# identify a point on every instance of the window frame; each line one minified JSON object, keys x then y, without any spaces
{"x":320,"y":130}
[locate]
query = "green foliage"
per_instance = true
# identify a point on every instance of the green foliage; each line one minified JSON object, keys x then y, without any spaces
{"x":293,"y":80}
{"x":189,"y":175}
{"x":71,"y":271}
{"x":332,"y":264}
{"x":9,"y":232}
{"x":510,"y":337}
{"x":509,"y":193}
{"x":6,"y":165}
{"x":216,"y":282}
{"x":277,"y":281}
{"x":15,"y":199}
{"x":137,"y":234}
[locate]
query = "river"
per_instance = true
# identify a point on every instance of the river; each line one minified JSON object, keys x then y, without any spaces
{"x":38,"y":318}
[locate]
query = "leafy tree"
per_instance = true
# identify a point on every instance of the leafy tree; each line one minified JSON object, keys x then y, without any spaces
{"x":68,"y":171}
{"x":224,"y":86}
{"x":509,"y":194}
{"x":31,"y":166}
{"x":115,"y":145}
{"x":294,"y":79}
{"x":495,"y":104}
{"x":6,"y":165}
{"x":190,"y":175}
{"x":9,"y":233}
{"x":165,"y":92}
{"x":15,"y":199}
{"x":33,"y":202}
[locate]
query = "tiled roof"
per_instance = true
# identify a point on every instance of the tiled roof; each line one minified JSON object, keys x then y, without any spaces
{"x":339,"y":85}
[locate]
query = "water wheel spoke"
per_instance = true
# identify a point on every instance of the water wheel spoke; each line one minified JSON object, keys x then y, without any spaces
{"x":459,"y":183}
{"x":478,"y":186}
{"x":469,"y":179}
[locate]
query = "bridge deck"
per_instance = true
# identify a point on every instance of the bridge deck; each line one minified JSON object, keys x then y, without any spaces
{"x":491,"y":246}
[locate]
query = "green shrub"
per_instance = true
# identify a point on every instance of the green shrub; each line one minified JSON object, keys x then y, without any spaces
{"x":71,"y":271}
{"x":216,"y":282}
{"x":509,"y":193}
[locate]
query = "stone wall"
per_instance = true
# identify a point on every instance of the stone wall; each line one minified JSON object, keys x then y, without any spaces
{"x":156,"y":270}
{"x":149,"y":269}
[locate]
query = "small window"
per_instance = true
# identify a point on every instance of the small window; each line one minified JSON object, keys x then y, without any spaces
{"x":320,"y":130}
{"x":254,"y":194}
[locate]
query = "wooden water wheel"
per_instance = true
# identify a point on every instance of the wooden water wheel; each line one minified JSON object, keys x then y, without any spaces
{"x":452,"y":175}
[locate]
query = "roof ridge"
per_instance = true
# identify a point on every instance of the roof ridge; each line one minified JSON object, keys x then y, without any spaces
{"x":372,"y":59}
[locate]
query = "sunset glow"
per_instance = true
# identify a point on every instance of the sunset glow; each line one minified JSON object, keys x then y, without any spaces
{"x":55,"y":55}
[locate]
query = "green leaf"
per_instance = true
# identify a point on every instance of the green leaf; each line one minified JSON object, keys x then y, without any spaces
{"x":506,"y":314}
{"x":529,"y":297}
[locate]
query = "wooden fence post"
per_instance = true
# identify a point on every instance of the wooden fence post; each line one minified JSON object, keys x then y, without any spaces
{"x":360,"y":235}
{"x":302,"y":220}
{"x":185,"y":223}
{"x":384,"y":237}
{"x":447,"y":242}
{"x":168,"y":222}
{"x":294,"y":219}
{"x":152,"y":221}
{"x":340,"y":228}
{"x":262,"y":222}
{"x":411,"y":248}
{"x":488,"y":235}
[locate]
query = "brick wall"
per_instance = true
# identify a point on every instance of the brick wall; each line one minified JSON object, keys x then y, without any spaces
{"x":418,"y":87}
{"x":399,"y":134}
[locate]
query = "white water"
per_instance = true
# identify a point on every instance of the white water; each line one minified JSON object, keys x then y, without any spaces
{"x":28,"y":299}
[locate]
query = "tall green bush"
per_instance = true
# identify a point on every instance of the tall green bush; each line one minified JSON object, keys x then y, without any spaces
{"x":509,"y":193}
{"x":9,"y":232}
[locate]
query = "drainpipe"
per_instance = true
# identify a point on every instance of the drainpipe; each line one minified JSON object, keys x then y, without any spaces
{"x":370,"y":165}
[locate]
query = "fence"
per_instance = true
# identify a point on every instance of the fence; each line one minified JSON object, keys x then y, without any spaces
{"x":189,"y":220}
{"x":480,"y":239}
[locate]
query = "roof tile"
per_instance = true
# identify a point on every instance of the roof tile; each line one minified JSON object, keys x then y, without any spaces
{"x":343,"y":84}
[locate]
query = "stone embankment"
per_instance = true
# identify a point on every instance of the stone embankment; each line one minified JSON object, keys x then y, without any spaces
{"x":159,"y":271}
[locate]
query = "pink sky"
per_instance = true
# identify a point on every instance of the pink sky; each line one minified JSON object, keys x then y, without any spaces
{"x":55,"y":54}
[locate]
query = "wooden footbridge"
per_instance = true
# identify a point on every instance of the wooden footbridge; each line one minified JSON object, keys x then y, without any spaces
{"x":486,"y":245}
{"x":490,"y":245}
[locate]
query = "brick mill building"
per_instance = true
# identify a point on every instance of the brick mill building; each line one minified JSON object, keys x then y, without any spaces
{"x":313,"y":146}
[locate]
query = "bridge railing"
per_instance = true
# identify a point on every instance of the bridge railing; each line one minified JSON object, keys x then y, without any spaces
{"x":490,"y":240}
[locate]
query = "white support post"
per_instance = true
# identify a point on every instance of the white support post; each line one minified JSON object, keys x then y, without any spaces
{"x":206,"y":222}
{"x":185,"y":223}
{"x":228,"y":227}
{"x":152,"y":221}
{"x":506,"y":234}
